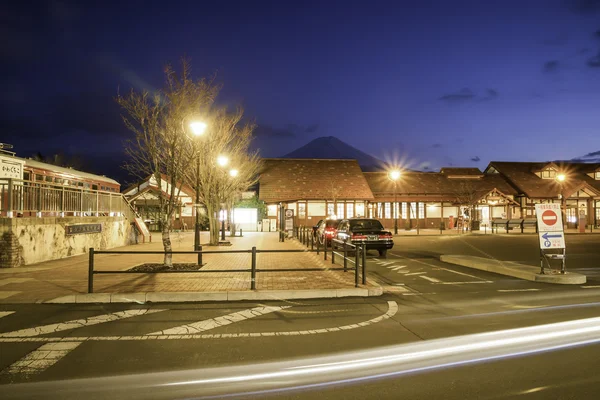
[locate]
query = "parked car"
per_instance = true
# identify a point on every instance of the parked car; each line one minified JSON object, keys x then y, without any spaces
{"x":327,"y":231}
{"x":365,"y":230}
{"x":316,"y":228}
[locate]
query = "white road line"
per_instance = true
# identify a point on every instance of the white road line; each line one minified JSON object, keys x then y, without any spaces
{"x":38,"y":360}
{"x":435,"y":266}
{"x":416,"y":273}
{"x":397,"y":268}
{"x":392,"y":310}
{"x":462,"y":283}
{"x":430,"y":279}
{"x":590,"y":287}
{"x":77,"y":323}
{"x":213,"y":323}
{"x":415,"y":294}
{"x":519,"y":290}
{"x":14,"y":280}
{"x":5,"y":294}
{"x":5,"y":313}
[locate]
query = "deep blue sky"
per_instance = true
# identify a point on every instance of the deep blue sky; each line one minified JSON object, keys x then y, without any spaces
{"x":433,"y":83}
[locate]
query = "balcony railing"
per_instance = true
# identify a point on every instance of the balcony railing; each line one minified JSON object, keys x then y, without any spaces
{"x":19,"y":198}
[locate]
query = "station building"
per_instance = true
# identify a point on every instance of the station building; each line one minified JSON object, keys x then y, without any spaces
{"x":315,"y":189}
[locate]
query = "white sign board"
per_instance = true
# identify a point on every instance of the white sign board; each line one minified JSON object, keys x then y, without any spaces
{"x":552,"y":240}
{"x":550,"y":226}
{"x":11,"y":168}
{"x":549,"y":217}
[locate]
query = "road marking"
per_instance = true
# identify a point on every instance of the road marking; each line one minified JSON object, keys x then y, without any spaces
{"x":527,"y":307}
{"x":5,"y":313}
{"x":461,"y":283}
{"x":430,"y":279}
{"x":416,"y":273}
{"x":415,"y":294}
{"x":218,"y":322}
{"x":590,"y":287}
{"x":392,"y":310}
{"x":14,"y":280}
{"x":519,"y":290}
{"x":5,"y":294}
{"x":435,"y":266}
{"x":40,"y":359}
{"x":77,"y":323}
{"x":397,"y":268}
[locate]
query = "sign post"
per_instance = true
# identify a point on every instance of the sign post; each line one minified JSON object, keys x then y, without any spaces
{"x":551,"y":234}
{"x":289,"y":222}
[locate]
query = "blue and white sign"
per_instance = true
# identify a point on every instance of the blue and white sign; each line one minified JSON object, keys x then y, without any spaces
{"x":552,"y":240}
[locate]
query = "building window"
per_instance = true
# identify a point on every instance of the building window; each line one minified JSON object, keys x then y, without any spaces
{"x":349,"y":210}
{"x":360,"y":209}
{"x":316,"y":209}
{"x":340,"y":210}
{"x":388,"y":210}
{"x":272,"y":210}
{"x":301,"y":210}
{"x":413,"y":210}
{"x":548,"y":174}
{"x":597,"y":175}
{"x":330,"y":211}
{"x":396,"y":211}
{"x":380,"y":210}
{"x":404,"y":212}
{"x":26,"y":176}
{"x":421,"y":210}
{"x":571,"y":215}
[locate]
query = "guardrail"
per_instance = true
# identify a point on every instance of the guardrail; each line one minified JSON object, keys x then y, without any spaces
{"x":253,"y":270}
{"x":510,"y":224}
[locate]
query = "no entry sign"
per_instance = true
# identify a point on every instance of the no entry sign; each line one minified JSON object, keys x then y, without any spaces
{"x":549,"y":217}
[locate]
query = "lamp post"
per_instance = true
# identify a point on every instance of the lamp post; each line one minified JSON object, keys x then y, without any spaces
{"x":198,"y":128}
{"x":561,"y":178}
{"x":394,"y":175}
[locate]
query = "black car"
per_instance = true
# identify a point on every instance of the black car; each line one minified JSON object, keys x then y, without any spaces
{"x":368,"y":231}
{"x":327,"y":230}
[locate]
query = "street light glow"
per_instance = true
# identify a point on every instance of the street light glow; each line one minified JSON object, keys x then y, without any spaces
{"x":233,"y":173}
{"x":198,"y":128}
{"x":561,"y":177}
{"x":222,"y":160}
{"x":395,"y":175}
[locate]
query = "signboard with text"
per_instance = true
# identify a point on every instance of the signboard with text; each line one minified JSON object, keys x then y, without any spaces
{"x":550,"y":226}
{"x":11,"y":168}
{"x":82,"y":228}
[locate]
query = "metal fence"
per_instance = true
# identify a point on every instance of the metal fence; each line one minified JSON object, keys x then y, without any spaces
{"x":24,"y":198}
{"x":253,"y":270}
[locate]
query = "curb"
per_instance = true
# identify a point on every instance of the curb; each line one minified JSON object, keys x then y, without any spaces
{"x":516,"y":270}
{"x":196,"y":297}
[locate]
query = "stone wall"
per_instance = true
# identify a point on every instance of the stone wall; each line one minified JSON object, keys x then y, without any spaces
{"x":25,"y":241}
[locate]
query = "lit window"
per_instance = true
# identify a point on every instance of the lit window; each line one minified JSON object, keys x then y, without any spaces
{"x":340,"y":210}
{"x":301,"y":210}
{"x":360,"y":209}
{"x":330,"y":210}
{"x":597,"y":176}
{"x":349,"y":210}
{"x":388,"y":210}
{"x":404,"y":212}
{"x":548,"y":174}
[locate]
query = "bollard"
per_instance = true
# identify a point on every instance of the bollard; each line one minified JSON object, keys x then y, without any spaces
{"x":200,"y":255}
{"x":253,"y":270}
{"x":364,"y":264}
{"x":318,"y":247}
{"x":332,"y":252}
{"x":241,"y":233}
{"x":345,"y":255}
{"x":356,"y":264}
{"x":91,"y":272}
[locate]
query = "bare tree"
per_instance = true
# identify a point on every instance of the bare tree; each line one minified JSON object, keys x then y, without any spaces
{"x":468,"y":192}
{"x":219,"y":186}
{"x":161,"y":146}
{"x":334,"y":190}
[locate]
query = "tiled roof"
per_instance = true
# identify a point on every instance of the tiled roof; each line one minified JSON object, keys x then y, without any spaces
{"x":284,"y":179}
{"x":522,"y":176}
{"x":435,"y":185}
{"x":460,"y":171}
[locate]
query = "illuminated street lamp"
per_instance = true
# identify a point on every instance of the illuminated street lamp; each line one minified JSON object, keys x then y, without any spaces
{"x":394,"y":175}
{"x":233,"y":173}
{"x":561,"y":177}
{"x":222,"y":160}
{"x":198,"y":128}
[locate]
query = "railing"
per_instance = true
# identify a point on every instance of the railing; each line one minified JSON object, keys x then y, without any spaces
{"x":24,"y":198}
{"x":510,"y":224}
{"x":359,"y":257}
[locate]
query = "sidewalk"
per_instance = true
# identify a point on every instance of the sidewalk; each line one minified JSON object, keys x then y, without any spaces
{"x":483,"y":231}
{"x":69,"y":277}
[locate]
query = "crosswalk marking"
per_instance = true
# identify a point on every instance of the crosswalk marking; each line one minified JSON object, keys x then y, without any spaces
{"x":14,"y":280}
{"x":397,"y":268}
{"x":416,"y":273}
{"x":217,"y":322}
{"x":77,"y":323}
{"x":40,"y":359}
{"x":430,"y":279}
{"x":5,"y":313}
{"x":4,"y":294}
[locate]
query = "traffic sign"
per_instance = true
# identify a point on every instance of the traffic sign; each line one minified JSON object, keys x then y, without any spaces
{"x":552,"y":240}
{"x":549,"y":217}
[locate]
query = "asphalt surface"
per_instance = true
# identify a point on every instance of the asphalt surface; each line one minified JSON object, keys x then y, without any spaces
{"x":432,"y":301}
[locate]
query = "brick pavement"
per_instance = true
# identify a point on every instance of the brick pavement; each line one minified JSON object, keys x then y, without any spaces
{"x":52,"y":279}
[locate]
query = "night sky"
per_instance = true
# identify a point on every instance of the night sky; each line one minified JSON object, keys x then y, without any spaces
{"x":431,"y":83}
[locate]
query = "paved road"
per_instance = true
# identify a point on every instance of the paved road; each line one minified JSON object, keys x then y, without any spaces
{"x":425,"y":300}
